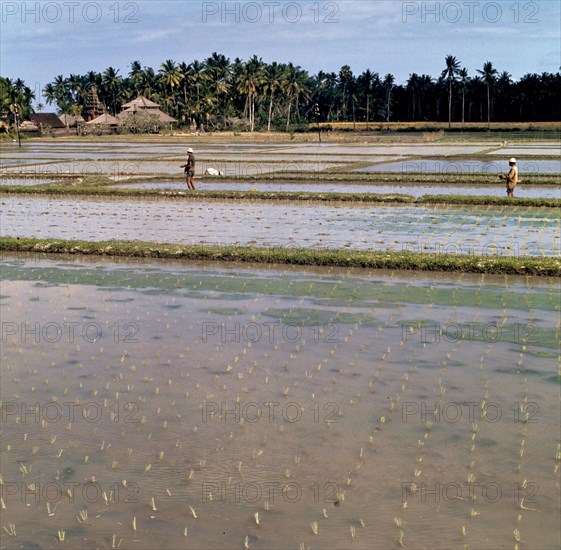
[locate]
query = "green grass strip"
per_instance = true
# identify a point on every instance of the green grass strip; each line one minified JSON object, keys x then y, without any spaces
{"x":275,"y":195}
{"x":515,"y":265}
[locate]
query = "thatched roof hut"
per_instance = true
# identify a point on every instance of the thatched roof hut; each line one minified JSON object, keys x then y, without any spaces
{"x":46,"y":119}
{"x":105,"y":118}
{"x":143,"y":105}
{"x":141,"y":102}
{"x":70,"y":121}
{"x":164,"y":117}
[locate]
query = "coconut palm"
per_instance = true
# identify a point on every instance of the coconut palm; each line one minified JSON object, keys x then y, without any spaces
{"x":464,"y":82}
{"x":170,"y":78}
{"x":218,"y":73}
{"x":272,"y":85}
{"x":135,"y":76}
{"x":345,"y":80}
{"x":111,"y":87}
{"x":413,"y":88}
{"x":389,"y":80}
{"x":366,"y":83}
{"x":250,"y":82}
{"x":449,"y":73}
{"x":293,"y":86}
{"x":49,"y":93}
{"x":489,"y":74}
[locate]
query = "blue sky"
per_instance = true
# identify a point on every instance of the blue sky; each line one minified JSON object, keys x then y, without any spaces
{"x":40,"y":40}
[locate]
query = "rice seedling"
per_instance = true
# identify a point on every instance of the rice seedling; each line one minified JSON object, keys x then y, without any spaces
{"x":400,"y":524}
{"x":193,"y":512}
{"x":61,"y":535}
{"x":10,"y":530}
{"x":315,"y":527}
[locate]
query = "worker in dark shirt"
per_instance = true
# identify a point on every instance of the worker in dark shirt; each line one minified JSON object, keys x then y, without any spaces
{"x":189,"y":167}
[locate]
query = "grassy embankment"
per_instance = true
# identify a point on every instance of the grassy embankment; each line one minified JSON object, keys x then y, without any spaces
{"x":394,"y":198}
{"x":540,"y":266}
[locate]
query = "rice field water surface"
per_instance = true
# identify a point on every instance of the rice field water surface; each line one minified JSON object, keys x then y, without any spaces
{"x":210,"y":405}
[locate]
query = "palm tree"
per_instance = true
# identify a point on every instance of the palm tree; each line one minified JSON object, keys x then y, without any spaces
{"x":425,"y":88}
{"x":135,"y":76}
{"x":111,"y":86}
{"x":293,"y":86}
{"x":389,"y":80}
{"x":170,"y":76}
{"x":272,"y":84}
{"x":489,"y":74}
{"x":78,"y":88}
{"x":196,"y":79}
{"x":464,"y":81}
{"x":49,"y":93}
{"x":345,"y":78}
{"x":450,"y":72}
{"x":251,"y":80}
{"x":218,"y":73}
{"x":413,"y":87}
{"x":62,"y":93}
{"x":504,"y":84}
{"x":366,"y":81}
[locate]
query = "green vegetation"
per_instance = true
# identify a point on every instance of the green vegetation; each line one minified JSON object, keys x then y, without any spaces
{"x":219,"y":94}
{"x":542,"y":266}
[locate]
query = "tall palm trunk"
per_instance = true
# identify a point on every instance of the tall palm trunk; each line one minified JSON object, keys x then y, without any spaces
{"x":270,"y":113}
{"x":488,"y":107}
{"x":450,"y":104}
{"x":288,"y":117}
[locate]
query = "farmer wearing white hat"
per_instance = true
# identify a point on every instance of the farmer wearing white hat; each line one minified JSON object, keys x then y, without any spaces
{"x":189,"y":167}
{"x":511,"y":177}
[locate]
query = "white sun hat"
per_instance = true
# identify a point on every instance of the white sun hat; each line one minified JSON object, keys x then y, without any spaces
{"x":513,"y":160}
{"x":189,"y":150}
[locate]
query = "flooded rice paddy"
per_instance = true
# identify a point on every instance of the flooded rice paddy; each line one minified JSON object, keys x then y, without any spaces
{"x":467,"y":230}
{"x":464,"y":166}
{"x":206,"y":406}
{"x":414,"y":190}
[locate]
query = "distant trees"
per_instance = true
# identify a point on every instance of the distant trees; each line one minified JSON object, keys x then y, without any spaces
{"x":15,"y":97}
{"x":219,"y":93}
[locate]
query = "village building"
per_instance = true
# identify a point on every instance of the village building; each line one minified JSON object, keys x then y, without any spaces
{"x":44,"y":122}
{"x":105,"y":120}
{"x":144,"y":105}
{"x":92,"y":107}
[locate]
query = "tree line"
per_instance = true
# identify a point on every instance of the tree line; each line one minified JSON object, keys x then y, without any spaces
{"x":219,"y":93}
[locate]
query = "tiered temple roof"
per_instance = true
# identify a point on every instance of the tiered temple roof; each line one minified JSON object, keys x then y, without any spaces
{"x":93,"y":107}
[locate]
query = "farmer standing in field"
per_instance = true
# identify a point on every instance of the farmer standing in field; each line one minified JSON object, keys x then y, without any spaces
{"x":511,"y":177}
{"x":189,"y":169}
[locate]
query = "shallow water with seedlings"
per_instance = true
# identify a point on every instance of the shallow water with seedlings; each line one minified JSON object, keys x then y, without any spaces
{"x":208,"y":406}
{"x":468,"y":230}
{"x":414,"y":190}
